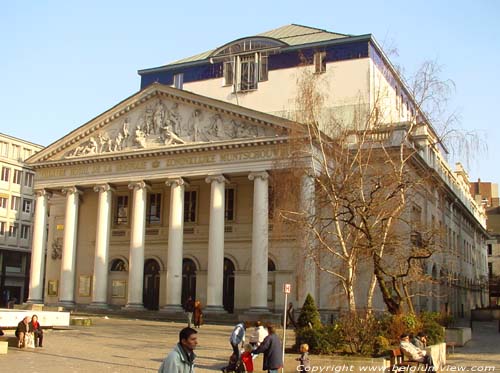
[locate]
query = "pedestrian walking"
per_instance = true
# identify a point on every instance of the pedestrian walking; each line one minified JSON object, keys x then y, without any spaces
{"x":181,"y":358}
{"x":272,"y":349}
{"x":189,"y":308}
{"x":290,"y":318}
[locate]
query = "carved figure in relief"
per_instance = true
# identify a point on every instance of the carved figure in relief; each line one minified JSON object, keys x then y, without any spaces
{"x":189,"y":132}
{"x":174,"y":118}
{"x":117,"y":144}
{"x":169,"y":137}
{"x":159,"y":116}
{"x":245,"y":130}
{"x":125,"y":129}
{"x":91,"y":147}
{"x":104,"y":143}
{"x":148,"y":128}
{"x":140,"y":137}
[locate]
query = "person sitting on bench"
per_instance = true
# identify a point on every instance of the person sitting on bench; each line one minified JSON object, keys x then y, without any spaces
{"x":37,"y":331}
{"x":21,"y":331}
{"x":415,"y":353}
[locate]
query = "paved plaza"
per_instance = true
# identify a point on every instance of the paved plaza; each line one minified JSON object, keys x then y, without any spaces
{"x":132,"y":345}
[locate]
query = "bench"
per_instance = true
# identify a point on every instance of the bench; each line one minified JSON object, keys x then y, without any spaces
{"x":399,"y":361}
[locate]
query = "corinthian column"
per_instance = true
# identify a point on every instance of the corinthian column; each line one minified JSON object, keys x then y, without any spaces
{"x":38,"y":247}
{"x":100,"y":278}
{"x":137,"y":240}
{"x":258,"y":295}
{"x":68,"y":263}
{"x":216,"y":244}
{"x":175,"y":243}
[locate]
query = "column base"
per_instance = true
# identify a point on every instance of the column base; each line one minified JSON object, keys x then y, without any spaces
{"x":35,"y":301}
{"x":214,"y":309}
{"x":67,"y":304}
{"x":134,"y":307}
{"x":98,"y":305}
{"x":172,"y":308}
{"x":258,"y":310}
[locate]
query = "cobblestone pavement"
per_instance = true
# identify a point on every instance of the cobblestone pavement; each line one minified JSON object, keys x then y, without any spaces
{"x":121,"y":345}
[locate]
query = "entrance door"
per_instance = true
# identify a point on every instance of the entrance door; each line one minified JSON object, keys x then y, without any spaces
{"x":188,"y":280}
{"x":228,"y":287}
{"x":151,"y":293}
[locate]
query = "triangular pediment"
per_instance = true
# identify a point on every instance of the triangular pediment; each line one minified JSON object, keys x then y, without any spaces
{"x":162,"y":117}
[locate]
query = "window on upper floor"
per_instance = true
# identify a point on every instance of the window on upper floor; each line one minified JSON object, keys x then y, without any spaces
{"x":190,"y":200}
{"x":27,"y":205}
{"x":17,"y":177}
{"x":245,"y":71}
{"x":25,"y":232}
{"x":3,"y":202}
{"x":27,"y":153}
{"x":4,"y":149}
{"x":5,"y":173}
{"x":229,"y":204}
{"x":14,"y":202}
{"x":153,"y":215}
{"x":2,"y":228}
{"x":121,"y":210}
{"x":16,"y":152}
{"x":28,"y":179}
{"x":490,"y":270}
{"x":319,"y":62}
{"x":178,"y":80}
{"x":13,"y":230}
{"x":490,"y":249}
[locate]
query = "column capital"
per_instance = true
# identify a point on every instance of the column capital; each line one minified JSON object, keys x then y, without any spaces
{"x":43,"y":193}
{"x":103,"y":188}
{"x":258,"y":175}
{"x":141,"y":184}
{"x":71,"y":190}
{"x":176,"y":181}
{"x":219,"y":178}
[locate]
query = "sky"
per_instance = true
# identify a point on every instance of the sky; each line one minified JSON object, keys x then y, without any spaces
{"x":64,"y":62}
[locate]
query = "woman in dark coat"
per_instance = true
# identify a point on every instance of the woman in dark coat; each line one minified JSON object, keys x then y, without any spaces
{"x":36,"y":329}
{"x":273,"y":351}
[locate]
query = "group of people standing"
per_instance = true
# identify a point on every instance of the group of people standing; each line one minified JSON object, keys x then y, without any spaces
{"x":29,"y":329}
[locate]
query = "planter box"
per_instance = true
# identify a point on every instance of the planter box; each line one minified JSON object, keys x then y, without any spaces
{"x":458,"y":336}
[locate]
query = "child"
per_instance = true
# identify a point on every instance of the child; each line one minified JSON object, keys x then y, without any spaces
{"x":246,"y":357}
{"x":304,"y":358}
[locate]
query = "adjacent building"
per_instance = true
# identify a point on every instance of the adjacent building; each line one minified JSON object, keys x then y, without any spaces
{"x":166,"y":194}
{"x":16,"y":217}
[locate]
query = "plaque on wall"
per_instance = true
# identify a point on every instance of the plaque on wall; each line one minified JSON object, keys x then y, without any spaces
{"x":84,"y":286}
{"x":118,"y":288}
{"x":52,"y":287}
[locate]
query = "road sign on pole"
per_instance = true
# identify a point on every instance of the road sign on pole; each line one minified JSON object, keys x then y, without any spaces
{"x":287,"y":289}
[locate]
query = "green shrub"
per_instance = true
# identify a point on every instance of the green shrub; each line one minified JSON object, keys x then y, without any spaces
{"x":309,"y":315}
{"x":359,"y":331}
{"x":381,"y":346}
{"x":322,"y":340}
{"x":432,"y":327}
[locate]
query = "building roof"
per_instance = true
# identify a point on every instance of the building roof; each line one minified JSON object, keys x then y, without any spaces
{"x":293,"y":35}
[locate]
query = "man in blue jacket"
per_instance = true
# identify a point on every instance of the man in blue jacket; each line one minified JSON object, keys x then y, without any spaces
{"x":237,"y":337}
{"x":272,"y":349}
{"x":181,"y":358}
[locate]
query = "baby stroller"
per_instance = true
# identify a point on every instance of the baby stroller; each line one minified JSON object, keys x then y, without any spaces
{"x":235,"y":365}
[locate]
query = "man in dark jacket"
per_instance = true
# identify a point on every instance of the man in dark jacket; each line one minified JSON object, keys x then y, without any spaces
{"x":273,"y":351}
{"x":21,"y":331}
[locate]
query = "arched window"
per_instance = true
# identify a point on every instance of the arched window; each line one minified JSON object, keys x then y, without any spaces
{"x":271,"y":267}
{"x":118,"y":265}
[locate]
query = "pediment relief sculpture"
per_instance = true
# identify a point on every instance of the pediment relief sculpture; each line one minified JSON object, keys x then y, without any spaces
{"x":166,"y":124}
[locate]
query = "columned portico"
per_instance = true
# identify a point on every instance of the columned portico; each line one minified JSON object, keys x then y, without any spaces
{"x":216,"y":244}
{"x":38,"y":247}
{"x":260,"y":242}
{"x":137,"y":240}
{"x":67,"y":279}
{"x":175,"y":246}
{"x":100,"y":278}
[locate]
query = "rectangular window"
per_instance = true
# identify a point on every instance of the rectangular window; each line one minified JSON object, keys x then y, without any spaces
{"x":248,"y":74}
{"x":263,"y":76}
{"x":2,"y":228}
{"x":17,"y":177}
{"x":3,"y":202}
{"x":154,"y":208}
{"x":178,"y":80}
{"x":27,"y":153}
{"x":14,"y":202}
{"x":121,"y":212}
{"x":490,"y":270}
{"x":190,"y":206}
{"x":27,"y":205}
{"x":4,"y":149}
{"x":490,"y":249}
{"x":16,"y":152}
{"x":25,"y":232}
{"x":5,"y":173}
{"x":228,"y":72}
{"x":13,"y":230}
{"x":229,"y":205}
{"x":319,"y":62}
{"x":28,"y":179}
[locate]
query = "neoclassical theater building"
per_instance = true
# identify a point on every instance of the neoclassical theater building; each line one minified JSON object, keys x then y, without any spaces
{"x":165,"y":195}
